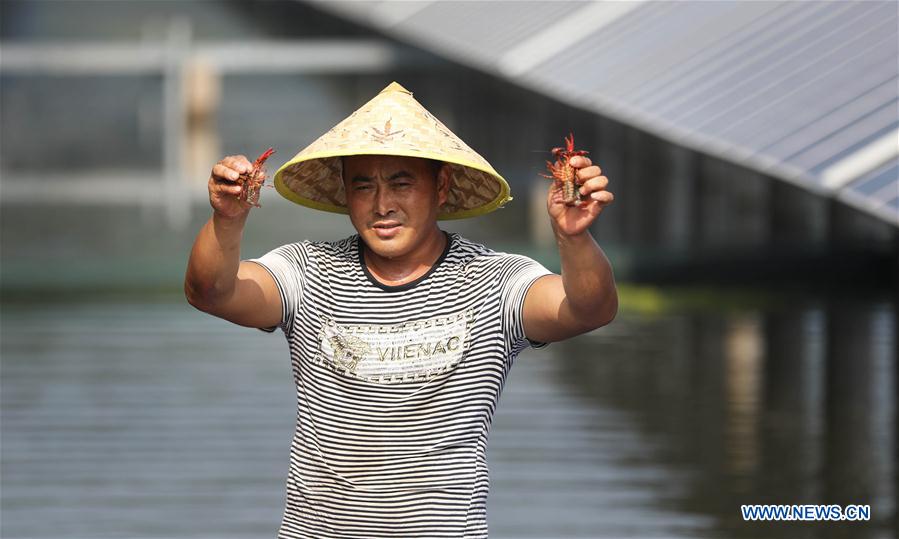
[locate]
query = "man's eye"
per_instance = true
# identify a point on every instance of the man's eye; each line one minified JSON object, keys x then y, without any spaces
{"x":402,"y":184}
{"x":362,"y":188}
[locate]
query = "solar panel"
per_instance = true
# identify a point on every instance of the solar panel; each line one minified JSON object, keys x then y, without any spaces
{"x":805,"y":91}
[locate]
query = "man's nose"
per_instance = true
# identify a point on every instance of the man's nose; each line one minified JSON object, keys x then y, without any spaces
{"x":383,"y":201}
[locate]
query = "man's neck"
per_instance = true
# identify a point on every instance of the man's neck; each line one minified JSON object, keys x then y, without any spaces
{"x":401,"y":270}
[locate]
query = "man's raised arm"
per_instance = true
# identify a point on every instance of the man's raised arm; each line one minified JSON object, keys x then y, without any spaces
{"x":584,"y":297}
{"x":217,"y":282}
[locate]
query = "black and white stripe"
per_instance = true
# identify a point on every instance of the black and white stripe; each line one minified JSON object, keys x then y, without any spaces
{"x":387,"y":456}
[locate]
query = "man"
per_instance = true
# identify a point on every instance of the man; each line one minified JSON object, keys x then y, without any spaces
{"x":402,"y":335}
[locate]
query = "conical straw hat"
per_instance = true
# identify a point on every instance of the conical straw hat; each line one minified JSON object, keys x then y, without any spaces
{"x":392,"y":123}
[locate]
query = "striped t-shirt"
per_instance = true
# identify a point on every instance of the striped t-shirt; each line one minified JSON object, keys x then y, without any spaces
{"x":396,"y":387}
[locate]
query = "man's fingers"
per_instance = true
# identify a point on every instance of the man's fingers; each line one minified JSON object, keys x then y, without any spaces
{"x":231,"y":166}
{"x":594,"y":184}
{"x":239,"y":163}
{"x":222,"y":181}
{"x":223,"y":172}
{"x":588,"y":172}
{"x":580,"y":161}
{"x":227,"y":188}
{"x":602,"y":196}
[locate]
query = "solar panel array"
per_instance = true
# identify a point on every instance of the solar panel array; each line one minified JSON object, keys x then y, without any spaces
{"x":804,"y":91}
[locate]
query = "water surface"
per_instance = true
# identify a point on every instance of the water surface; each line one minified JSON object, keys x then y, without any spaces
{"x":144,"y":418}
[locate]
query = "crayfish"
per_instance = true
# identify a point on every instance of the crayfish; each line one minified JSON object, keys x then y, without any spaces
{"x":565,"y":174}
{"x":254,"y":180}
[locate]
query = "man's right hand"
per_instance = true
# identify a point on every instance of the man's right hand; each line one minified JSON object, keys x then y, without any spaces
{"x":224,"y":190}
{"x":217,"y":281}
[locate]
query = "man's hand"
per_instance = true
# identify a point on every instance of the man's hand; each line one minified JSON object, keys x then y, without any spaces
{"x":217,"y":281}
{"x":224,"y":191}
{"x":573,"y":220}
{"x":584,"y":297}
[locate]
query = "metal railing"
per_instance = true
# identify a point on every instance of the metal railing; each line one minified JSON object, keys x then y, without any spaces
{"x":172,"y":58}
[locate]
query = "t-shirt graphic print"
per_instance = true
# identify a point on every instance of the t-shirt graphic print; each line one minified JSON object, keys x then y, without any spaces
{"x":391,"y":353}
{"x":396,"y":387}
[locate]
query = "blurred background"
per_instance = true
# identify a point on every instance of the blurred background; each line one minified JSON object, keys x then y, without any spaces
{"x":752,"y":150}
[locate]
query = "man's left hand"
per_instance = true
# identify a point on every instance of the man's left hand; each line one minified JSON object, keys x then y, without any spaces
{"x":574,"y":220}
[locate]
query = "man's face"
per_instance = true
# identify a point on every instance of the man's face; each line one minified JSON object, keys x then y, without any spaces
{"x":393,"y":201}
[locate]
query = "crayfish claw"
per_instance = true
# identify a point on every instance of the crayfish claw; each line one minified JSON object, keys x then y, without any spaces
{"x":565,"y":174}
{"x":265,"y":155}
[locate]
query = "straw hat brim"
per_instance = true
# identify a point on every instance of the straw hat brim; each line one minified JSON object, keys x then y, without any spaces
{"x":331,"y":160}
{"x":394,"y":124}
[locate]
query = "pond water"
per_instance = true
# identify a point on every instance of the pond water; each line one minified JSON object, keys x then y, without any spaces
{"x":144,"y":418}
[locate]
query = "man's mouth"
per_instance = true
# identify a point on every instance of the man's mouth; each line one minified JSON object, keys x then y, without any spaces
{"x":386,"y":229}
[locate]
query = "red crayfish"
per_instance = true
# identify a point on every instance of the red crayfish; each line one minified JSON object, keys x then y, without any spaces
{"x":254,"y":180}
{"x":564,"y":173}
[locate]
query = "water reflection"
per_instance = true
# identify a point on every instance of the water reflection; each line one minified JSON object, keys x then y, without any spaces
{"x":148,"y":419}
{"x":796,"y":405}
{"x":743,"y":357}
